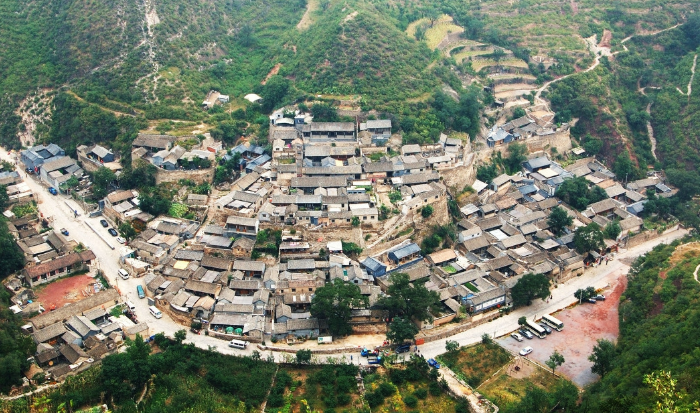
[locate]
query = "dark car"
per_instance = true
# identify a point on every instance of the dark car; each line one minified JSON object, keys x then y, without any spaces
{"x":64,"y":231}
{"x":546,"y":328}
{"x":112,"y":232}
{"x":526,"y":333}
{"x":592,"y":300}
{"x":53,"y":191}
{"x":404,"y":348}
{"x":104,"y":223}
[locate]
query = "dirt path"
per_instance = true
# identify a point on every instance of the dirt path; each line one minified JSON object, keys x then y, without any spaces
{"x":116,"y":112}
{"x":695,"y":274}
{"x":650,"y":130}
{"x":305,"y":22}
{"x":692,"y":76}
{"x":597,"y":52}
{"x":459,"y":389}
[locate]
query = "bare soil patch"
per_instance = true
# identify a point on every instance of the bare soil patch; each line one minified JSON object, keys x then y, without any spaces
{"x":583,"y":325}
{"x":65,"y":291}
{"x":273,"y":72}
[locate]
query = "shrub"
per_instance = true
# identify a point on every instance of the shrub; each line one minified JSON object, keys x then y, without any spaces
{"x":410,"y":401}
{"x":343,"y":399}
{"x":374,"y":399}
{"x":435,"y":389}
{"x":330,"y":401}
{"x":421,"y":393}
{"x":386,"y":389}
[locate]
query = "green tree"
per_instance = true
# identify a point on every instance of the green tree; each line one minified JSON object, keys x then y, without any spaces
{"x":401,"y":329}
{"x":528,"y":288}
{"x":576,"y":193}
{"x":355,"y":221}
{"x":274,"y":92}
{"x":426,"y":211}
{"x":554,"y":361}
{"x":516,"y":156}
{"x":612,"y":230}
{"x":101,"y":179}
{"x":487,"y":172}
{"x":624,"y":168}
{"x":11,"y":256}
{"x":588,"y":238}
{"x":522,"y":321}
{"x":409,"y":301}
{"x":451,"y":346}
{"x":558,"y":220}
{"x":395,"y":196}
{"x":180,"y":336}
{"x":4,"y":198}
{"x":592,"y":145}
{"x":351,"y":248}
{"x":518,"y":112}
{"x":303,"y":356}
{"x":603,"y":357}
{"x":127,"y":231}
{"x":334,"y":302}
{"x":323,"y":112}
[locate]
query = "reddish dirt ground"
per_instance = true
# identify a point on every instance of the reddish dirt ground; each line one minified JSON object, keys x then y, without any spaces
{"x":583,"y":325}
{"x":62,"y":292}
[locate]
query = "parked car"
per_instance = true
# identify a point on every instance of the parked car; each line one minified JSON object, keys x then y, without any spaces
{"x":546,"y":328}
{"x":53,"y":191}
{"x":526,"y":333}
{"x":517,"y":336}
{"x":112,"y":232}
{"x":64,"y":231}
{"x":121,"y":240}
{"x":364,"y":352}
{"x":104,"y":223}
{"x":433,"y":363}
{"x":140,"y":292}
{"x":403,"y":348}
{"x":592,"y":300}
{"x":600,"y":297}
{"x":526,"y":351}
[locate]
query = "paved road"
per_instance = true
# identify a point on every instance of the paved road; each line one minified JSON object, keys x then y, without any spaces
{"x":108,"y":261}
{"x":563,"y":296}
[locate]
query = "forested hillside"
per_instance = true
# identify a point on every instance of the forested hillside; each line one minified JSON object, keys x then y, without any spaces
{"x":659,"y":322}
{"x":156,"y":61}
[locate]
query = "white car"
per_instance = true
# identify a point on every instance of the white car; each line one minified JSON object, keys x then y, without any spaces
{"x":121,"y":240}
{"x":526,"y":351}
{"x":517,"y":336}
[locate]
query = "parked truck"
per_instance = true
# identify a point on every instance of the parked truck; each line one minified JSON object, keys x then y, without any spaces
{"x":374,"y":359}
{"x":325,"y":340}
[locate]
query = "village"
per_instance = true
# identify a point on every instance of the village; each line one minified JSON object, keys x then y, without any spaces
{"x":332,"y":200}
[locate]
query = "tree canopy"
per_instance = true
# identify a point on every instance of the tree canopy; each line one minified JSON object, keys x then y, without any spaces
{"x":401,"y":329}
{"x":576,"y":192}
{"x":334,"y":302}
{"x":558,"y":220}
{"x":602,"y":357}
{"x":409,"y":301}
{"x":528,"y":288}
{"x":588,"y":238}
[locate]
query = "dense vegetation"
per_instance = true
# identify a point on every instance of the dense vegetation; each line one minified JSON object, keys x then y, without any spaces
{"x":658,"y":325}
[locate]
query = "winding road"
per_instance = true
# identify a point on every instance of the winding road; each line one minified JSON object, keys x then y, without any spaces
{"x":692,"y":76}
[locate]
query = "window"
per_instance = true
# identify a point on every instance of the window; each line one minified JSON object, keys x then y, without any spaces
{"x":364,"y":218}
{"x":294,"y":290}
{"x":310,"y":289}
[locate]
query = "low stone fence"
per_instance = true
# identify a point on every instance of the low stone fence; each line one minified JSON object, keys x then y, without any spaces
{"x":446,"y":333}
{"x":335,"y":350}
{"x":645,"y":236}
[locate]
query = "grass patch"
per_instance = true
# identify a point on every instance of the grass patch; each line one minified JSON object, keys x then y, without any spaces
{"x":435,"y":34}
{"x":286,"y":161}
{"x":24,"y":209}
{"x":449,"y":269}
{"x":405,"y":231}
{"x":478,"y":64}
{"x":477,"y":363}
{"x":471,"y":287}
{"x":505,"y":390}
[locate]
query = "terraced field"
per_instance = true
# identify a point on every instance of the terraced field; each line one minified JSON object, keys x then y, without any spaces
{"x":464,"y":54}
{"x":479,"y":64}
{"x":411,"y":29}
{"x":435,"y":34}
